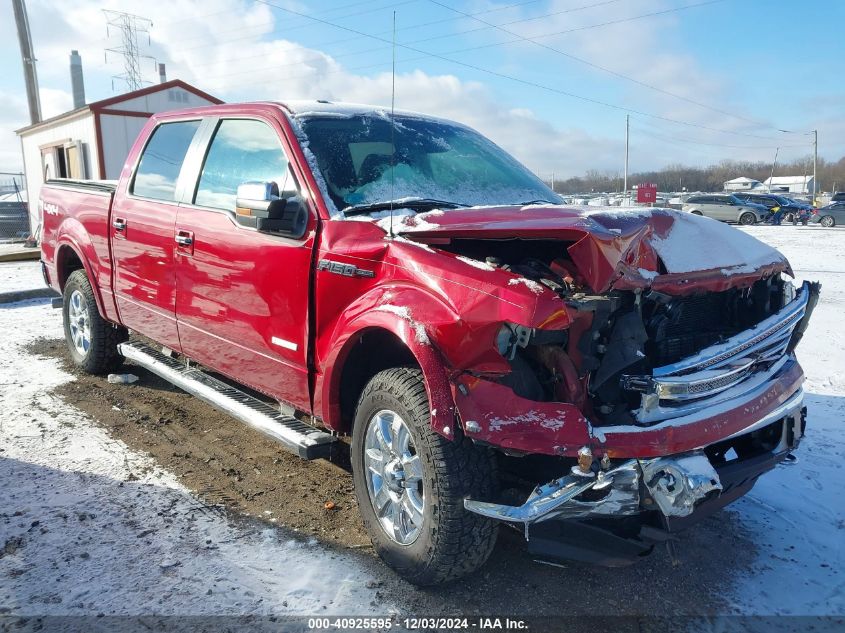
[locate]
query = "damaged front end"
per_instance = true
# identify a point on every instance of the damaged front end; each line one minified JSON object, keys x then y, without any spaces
{"x":614,"y":513}
{"x":635,"y":384}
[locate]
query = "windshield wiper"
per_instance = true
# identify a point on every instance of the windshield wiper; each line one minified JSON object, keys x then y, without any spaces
{"x":402,"y":203}
{"x":539,"y":201}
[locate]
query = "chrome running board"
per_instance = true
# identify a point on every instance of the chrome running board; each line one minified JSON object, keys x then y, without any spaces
{"x":295,"y":436}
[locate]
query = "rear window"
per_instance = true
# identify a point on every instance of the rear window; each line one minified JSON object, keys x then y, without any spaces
{"x":162,"y":160}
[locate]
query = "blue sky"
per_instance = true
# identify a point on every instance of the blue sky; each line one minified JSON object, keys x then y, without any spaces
{"x":756,"y":65}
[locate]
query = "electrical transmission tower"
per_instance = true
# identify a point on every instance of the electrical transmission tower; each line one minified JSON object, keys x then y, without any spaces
{"x":129,"y":26}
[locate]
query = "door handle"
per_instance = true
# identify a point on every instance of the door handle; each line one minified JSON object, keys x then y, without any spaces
{"x":119,"y":224}
{"x":184,"y":240}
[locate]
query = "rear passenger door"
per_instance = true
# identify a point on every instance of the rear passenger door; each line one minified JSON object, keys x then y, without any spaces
{"x":242,"y":296}
{"x":142,"y":224}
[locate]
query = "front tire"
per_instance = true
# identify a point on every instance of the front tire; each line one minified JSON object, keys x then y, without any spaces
{"x":91,"y":340}
{"x":411,"y":483}
{"x":747,"y":219}
{"x":827,"y":221}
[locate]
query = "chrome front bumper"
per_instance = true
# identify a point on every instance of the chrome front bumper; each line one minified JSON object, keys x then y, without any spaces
{"x":724,"y":371}
{"x":674,"y":484}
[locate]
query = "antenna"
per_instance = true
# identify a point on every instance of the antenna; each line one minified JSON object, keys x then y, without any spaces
{"x":129,"y":26}
{"x":392,"y":125}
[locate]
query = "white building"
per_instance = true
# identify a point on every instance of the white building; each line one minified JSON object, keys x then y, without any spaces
{"x":791,"y":184}
{"x":94,"y":140}
{"x":742,"y":184}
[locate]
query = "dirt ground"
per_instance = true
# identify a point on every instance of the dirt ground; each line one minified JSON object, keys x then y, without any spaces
{"x":230,"y":465}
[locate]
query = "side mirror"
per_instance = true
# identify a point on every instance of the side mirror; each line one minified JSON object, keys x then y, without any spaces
{"x":259,"y":205}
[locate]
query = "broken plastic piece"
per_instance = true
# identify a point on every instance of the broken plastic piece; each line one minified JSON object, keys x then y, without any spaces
{"x":122,"y":379}
{"x":678,"y":484}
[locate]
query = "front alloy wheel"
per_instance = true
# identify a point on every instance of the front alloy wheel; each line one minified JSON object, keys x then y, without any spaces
{"x":411,"y":483}
{"x":394,"y":477}
{"x":827,"y":221}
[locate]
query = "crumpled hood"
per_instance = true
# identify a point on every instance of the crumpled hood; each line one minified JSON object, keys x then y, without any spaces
{"x":670,"y":251}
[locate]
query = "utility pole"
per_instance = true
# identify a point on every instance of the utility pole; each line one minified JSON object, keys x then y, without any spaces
{"x":815,"y":160}
{"x":28,"y":59}
{"x":627,"y":140}
{"x":772,"y":176}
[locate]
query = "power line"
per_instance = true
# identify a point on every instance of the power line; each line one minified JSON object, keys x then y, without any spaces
{"x":525,"y":81}
{"x":414,"y":26}
{"x":651,"y":134}
{"x":602,"y":68}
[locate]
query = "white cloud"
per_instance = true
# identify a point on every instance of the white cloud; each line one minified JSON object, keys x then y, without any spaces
{"x":228,"y":48}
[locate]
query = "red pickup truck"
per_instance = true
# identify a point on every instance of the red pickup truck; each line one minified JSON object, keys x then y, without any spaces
{"x":597,"y":378}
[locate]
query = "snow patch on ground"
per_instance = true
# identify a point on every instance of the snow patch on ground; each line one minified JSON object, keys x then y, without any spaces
{"x":17,"y":276}
{"x":90,"y":526}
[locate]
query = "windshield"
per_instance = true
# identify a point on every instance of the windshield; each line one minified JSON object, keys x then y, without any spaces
{"x":433,"y":160}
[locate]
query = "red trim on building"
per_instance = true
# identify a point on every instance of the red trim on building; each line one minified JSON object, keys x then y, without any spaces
{"x":98,"y":133}
{"x":173,"y":83}
{"x":116,"y":112}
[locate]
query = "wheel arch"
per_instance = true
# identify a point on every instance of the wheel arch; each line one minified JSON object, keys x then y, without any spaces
{"x":376,"y":341}
{"x":70,"y":258}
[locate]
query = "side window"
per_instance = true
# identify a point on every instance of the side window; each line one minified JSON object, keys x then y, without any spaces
{"x":162,"y":160}
{"x":242,"y":150}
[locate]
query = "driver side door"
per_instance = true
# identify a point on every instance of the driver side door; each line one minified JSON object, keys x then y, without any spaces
{"x":242,"y":295}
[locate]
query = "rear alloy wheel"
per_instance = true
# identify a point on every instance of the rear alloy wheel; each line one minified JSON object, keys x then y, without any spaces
{"x":827,"y":221}
{"x":411,"y":483}
{"x":91,"y":340}
{"x":747,"y":218}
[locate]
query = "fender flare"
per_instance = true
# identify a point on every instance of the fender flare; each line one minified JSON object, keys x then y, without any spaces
{"x":391,"y":318}
{"x":68,"y":241}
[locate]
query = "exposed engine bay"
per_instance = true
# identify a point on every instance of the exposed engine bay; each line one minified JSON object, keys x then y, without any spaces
{"x":613,"y":336}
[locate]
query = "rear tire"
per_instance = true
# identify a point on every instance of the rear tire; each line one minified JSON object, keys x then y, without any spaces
{"x":91,"y":340}
{"x":827,"y":221}
{"x":747,"y":218}
{"x":696,"y":212}
{"x":436,"y":540}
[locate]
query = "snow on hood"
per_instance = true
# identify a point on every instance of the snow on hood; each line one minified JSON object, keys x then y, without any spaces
{"x":683,"y":248}
{"x":669,"y":250}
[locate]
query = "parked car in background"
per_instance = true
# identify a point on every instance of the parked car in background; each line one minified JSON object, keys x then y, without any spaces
{"x":791,"y":210}
{"x":726,"y":207}
{"x":831,"y":215}
{"x":839,"y":196}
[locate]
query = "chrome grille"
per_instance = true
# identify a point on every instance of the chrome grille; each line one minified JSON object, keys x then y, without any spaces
{"x":720,"y":367}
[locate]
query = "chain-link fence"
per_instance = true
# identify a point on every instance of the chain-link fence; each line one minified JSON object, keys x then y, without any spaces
{"x":14,"y":216}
